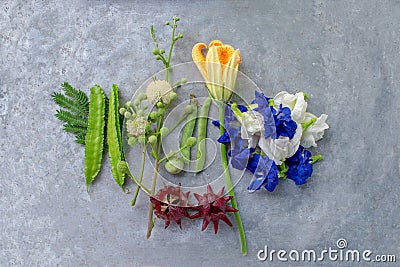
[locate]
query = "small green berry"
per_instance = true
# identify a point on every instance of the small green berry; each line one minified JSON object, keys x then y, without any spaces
{"x":128,"y":104}
{"x":174,"y":165}
{"x":153,"y":115}
{"x":180,"y":35}
{"x":142,"y":96}
{"x":167,"y":22}
{"x":173,"y":96}
{"x":160,"y":105}
{"x":152,"y":139}
{"x":164,"y":131}
{"x":156,"y":51}
{"x":161,"y":111}
{"x":122,"y":111}
{"x":191,"y":141}
{"x":128,"y":115}
{"x":158,"y":57}
{"x":188,"y":109}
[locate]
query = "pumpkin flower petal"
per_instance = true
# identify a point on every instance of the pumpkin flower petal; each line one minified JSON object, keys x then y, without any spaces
{"x":214,"y":71}
{"x":215,"y":43}
{"x":199,"y":59}
{"x":230,"y":73}
{"x":219,"y":68}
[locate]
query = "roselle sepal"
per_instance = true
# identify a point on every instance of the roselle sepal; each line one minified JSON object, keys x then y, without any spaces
{"x":171,"y":204}
{"x":212,"y":208}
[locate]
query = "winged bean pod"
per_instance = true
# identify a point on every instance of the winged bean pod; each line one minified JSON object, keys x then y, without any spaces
{"x":114,"y":139}
{"x":95,"y":134}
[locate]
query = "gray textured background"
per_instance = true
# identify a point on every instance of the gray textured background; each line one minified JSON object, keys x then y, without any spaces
{"x":345,"y":54}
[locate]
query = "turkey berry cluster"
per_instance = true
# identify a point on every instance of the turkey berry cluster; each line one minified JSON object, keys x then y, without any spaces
{"x":171,"y":205}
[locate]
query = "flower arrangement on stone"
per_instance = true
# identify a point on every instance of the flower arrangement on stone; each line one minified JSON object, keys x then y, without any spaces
{"x":268,"y":137}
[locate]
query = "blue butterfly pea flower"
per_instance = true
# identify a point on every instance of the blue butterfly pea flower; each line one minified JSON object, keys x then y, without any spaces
{"x":284,"y":124}
{"x":300,"y":167}
{"x":263,"y":107}
{"x":265,"y":171}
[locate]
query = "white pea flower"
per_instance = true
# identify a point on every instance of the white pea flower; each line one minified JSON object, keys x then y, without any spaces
{"x":315,"y":131}
{"x":281,"y":148}
{"x":252,"y":127}
{"x":296,"y":103}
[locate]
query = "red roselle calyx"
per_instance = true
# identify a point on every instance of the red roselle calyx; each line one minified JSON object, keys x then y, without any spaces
{"x":171,"y":204}
{"x":212,"y":208}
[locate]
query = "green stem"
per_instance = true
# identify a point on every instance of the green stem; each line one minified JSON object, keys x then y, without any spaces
{"x":150,"y":223}
{"x":138,"y":183}
{"x":173,"y":153}
{"x":177,"y":123}
{"x":133,"y":202}
{"x":229,"y":182}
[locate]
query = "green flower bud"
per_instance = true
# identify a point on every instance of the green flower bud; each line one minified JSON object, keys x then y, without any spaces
{"x":183,"y":80}
{"x":176,"y":38}
{"x":191,"y":141}
{"x":142,"y":139}
{"x":161,"y":111}
{"x":180,"y":35}
{"x":160,"y":105}
{"x":153,"y":115}
{"x":158,"y":57}
{"x":147,"y":127}
{"x":188,"y":109}
{"x":167,"y":22}
{"x":136,"y":102}
{"x":152,"y":139}
{"x":128,"y":115}
{"x":173,"y":96}
{"x":164,"y":131}
{"x":174,"y":165}
{"x":123,"y":167}
{"x":128,"y":104}
{"x":162,"y":51}
{"x":142,"y":96}
{"x":156,"y":51}
{"x":176,"y":18}
{"x":122,"y":111}
{"x":132,"y":141}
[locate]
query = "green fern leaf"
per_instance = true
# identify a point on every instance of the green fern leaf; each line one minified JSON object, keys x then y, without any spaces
{"x":71,"y":118}
{"x":78,"y":96}
{"x":80,"y":139}
{"x":74,"y":129}
{"x":68,"y":103}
